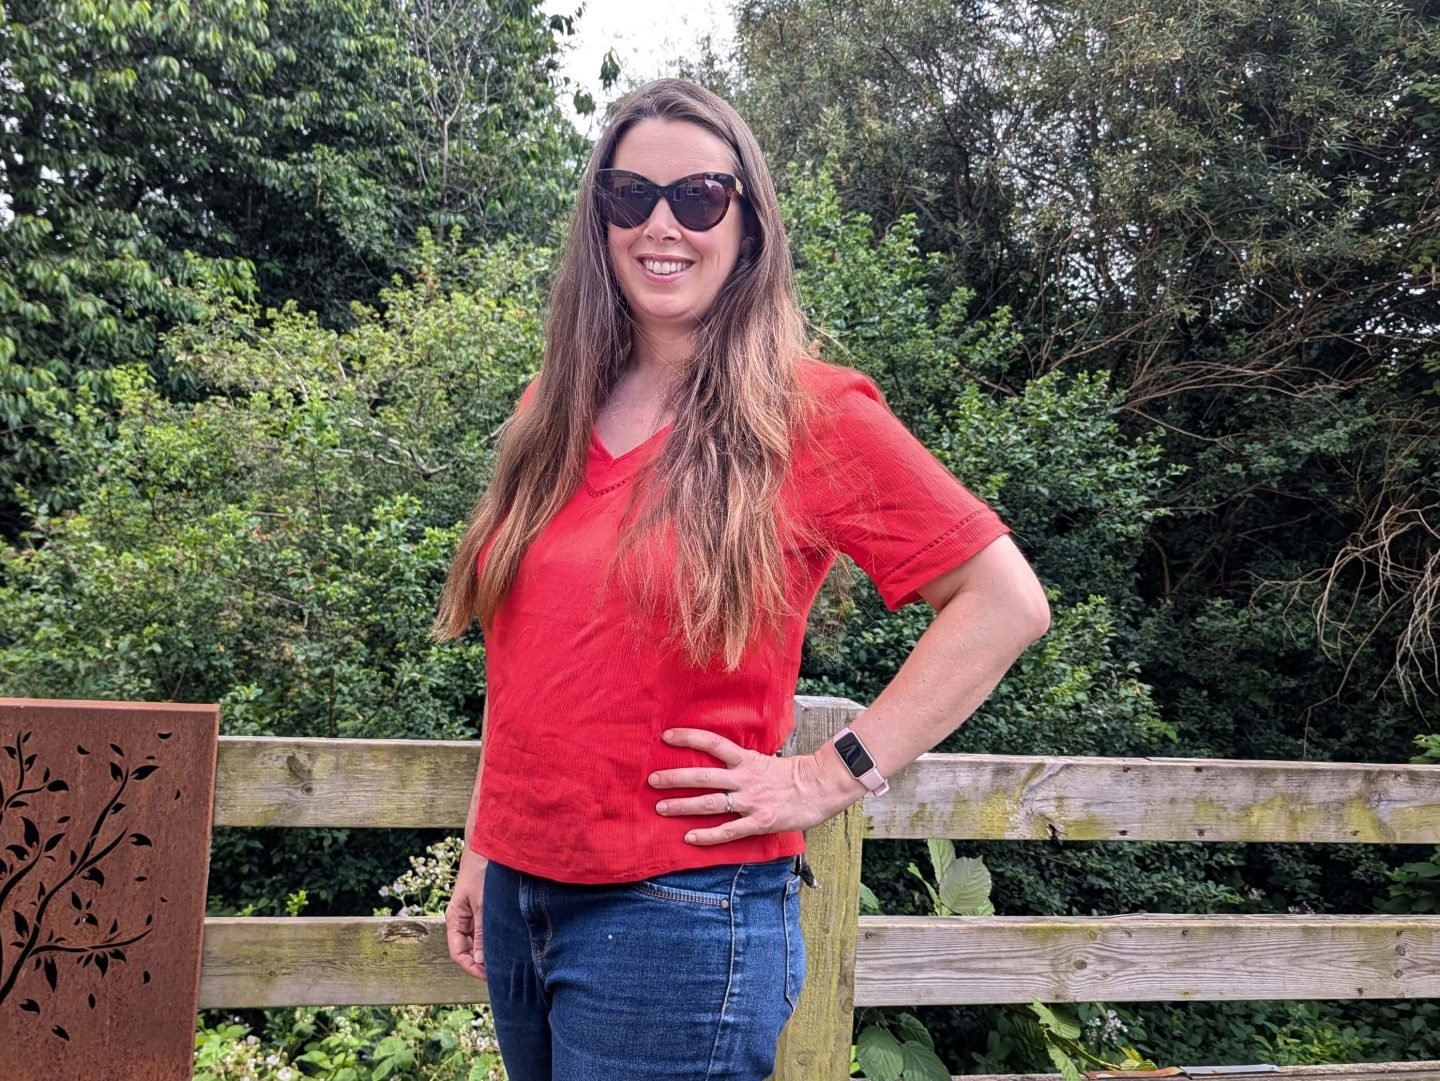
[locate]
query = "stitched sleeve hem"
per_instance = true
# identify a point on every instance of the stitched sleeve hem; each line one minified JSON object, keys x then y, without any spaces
{"x":944,"y":553}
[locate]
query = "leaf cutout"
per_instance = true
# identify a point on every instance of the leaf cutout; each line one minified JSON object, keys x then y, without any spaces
{"x":177,"y":793}
{"x":91,"y":999}
{"x":118,"y":955}
{"x":117,"y":807}
{"x":116,"y":748}
{"x":45,"y":776}
{"x":53,"y":841}
{"x":21,"y":925}
{"x":140,"y":840}
{"x":10,"y":751}
{"x":113,"y":925}
{"x":143,"y":771}
{"x":164,"y":735}
{"x":30,"y":1006}
{"x":72,"y":857}
{"x":30,"y":761}
{"x":80,"y":750}
{"x":146,"y":978}
{"x":26,"y":737}
{"x":75,"y":900}
{"x":116,"y":773}
{"x":95,"y":875}
{"x":150,"y":917}
{"x":50,"y":972}
{"x":20,"y":851}
{"x":57,"y":786}
{"x":141,"y":878}
{"x":19,"y":803}
{"x":32,"y":835}
{"x":102,"y":963}
{"x":62,"y":819}
{"x":90,"y":919}
{"x":60,"y":1032}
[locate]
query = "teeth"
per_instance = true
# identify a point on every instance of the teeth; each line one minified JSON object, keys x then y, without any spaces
{"x":655,"y":267}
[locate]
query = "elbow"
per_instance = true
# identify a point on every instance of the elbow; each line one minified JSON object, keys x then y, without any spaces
{"x":1038,"y":618}
{"x":1032,"y":612}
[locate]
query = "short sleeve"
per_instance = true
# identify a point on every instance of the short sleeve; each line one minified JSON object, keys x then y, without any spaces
{"x":878,"y":495}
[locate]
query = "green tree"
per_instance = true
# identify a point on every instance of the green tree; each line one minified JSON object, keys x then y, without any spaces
{"x":310,"y":139}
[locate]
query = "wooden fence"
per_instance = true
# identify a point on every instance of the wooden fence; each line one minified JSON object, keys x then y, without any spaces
{"x":884,"y":960}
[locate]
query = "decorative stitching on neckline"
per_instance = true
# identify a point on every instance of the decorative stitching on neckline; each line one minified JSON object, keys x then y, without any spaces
{"x":594,"y":491}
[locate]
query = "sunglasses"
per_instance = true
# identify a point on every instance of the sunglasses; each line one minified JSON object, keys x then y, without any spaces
{"x":698,"y":201}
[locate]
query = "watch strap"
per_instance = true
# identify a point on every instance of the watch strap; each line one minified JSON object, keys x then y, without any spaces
{"x":871,"y":777}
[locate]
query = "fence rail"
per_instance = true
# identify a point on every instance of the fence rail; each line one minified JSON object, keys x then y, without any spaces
{"x":884,"y":960}
{"x":263,"y":781}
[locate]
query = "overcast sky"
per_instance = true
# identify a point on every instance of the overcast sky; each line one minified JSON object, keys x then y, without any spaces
{"x":645,"y":35}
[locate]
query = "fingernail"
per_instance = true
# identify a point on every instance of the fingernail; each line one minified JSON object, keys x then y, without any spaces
{"x":662,"y":806}
{"x":689,"y":838}
{"x":654,"y":778}
{"x":667,"y":735}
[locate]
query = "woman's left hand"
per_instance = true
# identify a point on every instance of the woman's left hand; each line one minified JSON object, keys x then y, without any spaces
{"x":768,"y":794}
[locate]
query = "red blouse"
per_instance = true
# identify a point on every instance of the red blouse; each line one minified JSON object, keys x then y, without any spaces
{"x":577,"y":700}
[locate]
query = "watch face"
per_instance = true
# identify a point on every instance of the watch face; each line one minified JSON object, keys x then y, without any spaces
{"x":853,"y":752}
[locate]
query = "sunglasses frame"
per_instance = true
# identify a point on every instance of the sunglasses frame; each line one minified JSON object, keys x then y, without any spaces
{"x":734,"y":189}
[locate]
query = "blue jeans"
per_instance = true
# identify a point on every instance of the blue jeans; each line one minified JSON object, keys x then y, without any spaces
{"x":687,"y":976}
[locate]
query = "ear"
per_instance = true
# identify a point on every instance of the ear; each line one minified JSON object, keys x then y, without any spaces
{"x":751,"y":241}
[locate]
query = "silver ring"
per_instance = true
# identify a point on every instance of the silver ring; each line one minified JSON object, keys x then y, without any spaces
{"x":729,"y":803}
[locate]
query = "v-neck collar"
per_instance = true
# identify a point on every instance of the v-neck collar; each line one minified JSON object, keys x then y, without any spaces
{"x":605,"y":472}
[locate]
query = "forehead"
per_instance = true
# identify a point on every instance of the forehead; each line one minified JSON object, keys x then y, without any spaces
{"x":666,"y":150}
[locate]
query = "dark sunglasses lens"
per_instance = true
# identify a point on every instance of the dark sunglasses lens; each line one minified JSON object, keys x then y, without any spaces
{"x":699,"y":202}
{"x":626,"y":202}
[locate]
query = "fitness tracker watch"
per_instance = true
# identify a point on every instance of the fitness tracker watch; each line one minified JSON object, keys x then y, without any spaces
{"x":858,"y":761}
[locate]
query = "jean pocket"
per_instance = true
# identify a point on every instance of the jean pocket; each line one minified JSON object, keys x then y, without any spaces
{"x":703,"y":886}
{"x":794,"y":944}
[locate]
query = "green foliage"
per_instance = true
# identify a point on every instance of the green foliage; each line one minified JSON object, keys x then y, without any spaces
{"x":277,"y":546}
{"x":402,"y":1043}
{"x":309,"y":140}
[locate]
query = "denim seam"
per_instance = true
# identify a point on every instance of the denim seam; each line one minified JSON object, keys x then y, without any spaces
{"x":722,"y":1026}
{"x":688,"y":897}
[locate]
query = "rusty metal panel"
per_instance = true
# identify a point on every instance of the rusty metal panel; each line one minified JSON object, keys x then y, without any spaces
{"x":105,"y":814}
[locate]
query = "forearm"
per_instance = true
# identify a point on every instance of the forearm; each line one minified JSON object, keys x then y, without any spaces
{"x":957,"y":662}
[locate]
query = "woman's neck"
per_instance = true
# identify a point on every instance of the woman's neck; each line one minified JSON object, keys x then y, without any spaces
{"x":659,"y":355}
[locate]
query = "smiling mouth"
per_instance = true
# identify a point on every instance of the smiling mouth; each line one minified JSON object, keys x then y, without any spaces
{"x":665,"y":268}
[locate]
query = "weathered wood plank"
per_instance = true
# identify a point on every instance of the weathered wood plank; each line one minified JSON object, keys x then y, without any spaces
{"x":330,"y":961}
{"x":390,"y":783}
{"x":815,"y":1045}
{"x":1012,"y":797}
{"x":900,"y":960}
{"x":322,"y":782}
{"x":918,"y":960}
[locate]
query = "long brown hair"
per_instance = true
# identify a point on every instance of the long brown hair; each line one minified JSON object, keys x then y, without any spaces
{"x":737,"y":407}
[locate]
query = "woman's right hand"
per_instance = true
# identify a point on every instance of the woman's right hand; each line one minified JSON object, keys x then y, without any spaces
{"x":463,"y":927}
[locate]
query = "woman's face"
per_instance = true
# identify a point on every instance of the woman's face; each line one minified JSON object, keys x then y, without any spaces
{"x":669,"y":274}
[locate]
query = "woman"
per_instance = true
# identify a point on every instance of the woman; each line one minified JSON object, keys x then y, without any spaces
{"x":669,"y":496}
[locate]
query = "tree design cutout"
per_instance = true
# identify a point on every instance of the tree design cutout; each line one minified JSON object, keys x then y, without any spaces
{"x":53,"y":878}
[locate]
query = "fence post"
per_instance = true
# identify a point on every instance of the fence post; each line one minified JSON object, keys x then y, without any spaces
{"x":815,"y":1045}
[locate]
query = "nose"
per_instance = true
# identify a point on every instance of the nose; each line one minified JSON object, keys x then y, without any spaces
{"x":661,"y":225}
